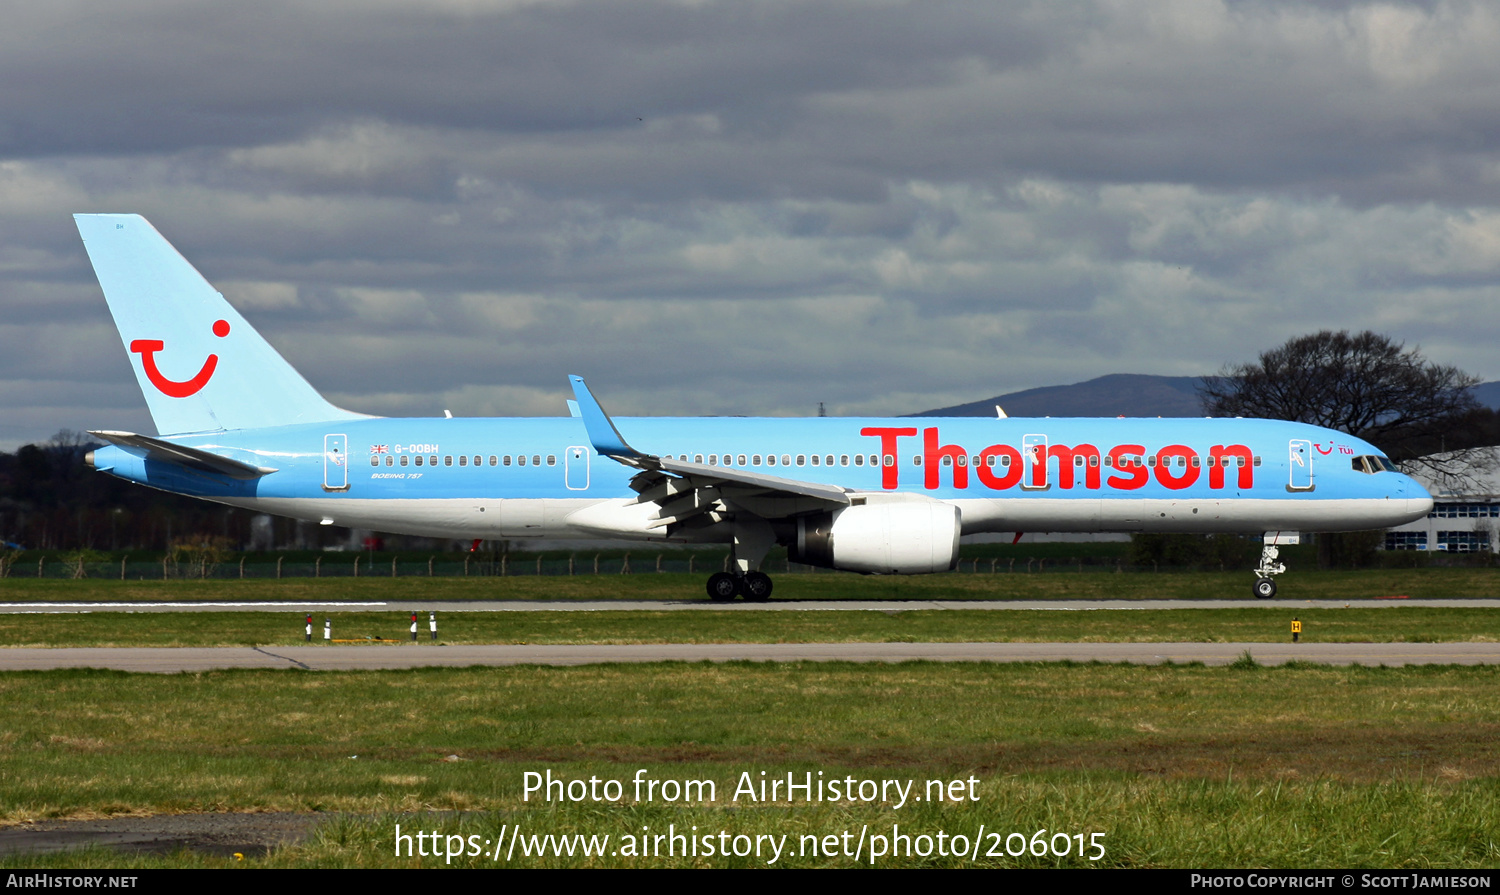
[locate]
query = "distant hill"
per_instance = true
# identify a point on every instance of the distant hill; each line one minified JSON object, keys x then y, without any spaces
{"x":1118,"y":394}
{"x":1488,"y":394}
{"x":1121,"y":394}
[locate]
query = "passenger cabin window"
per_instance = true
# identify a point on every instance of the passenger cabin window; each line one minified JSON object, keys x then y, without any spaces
{"x":859,"y":459}
{"x":786,"y":459}
{"x":536,"y":459}
{"x":890,"y":459}
{"x":463,"y":460}
{"x":389,"y":460}
{"x":755,"y":459}
{"x":494,"y":460}
{"x":520,"y":459}
{"x":505,"y":460}
{"x":815,"y":459}
{"x":770,"y":459}
{"x":916,"y":459}
{"x":404,"y":459}
{"x":843,"y":459}
{"x":419,"y":459}
{"x":697,"y":458}
{"x":740,"y":460}
{"x":374,"y":461}
{"x":447,"y":459}
{"x":801,"y":459}
{"x":551,"y":459}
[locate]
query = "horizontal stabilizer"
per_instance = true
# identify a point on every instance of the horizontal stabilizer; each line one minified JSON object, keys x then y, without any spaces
{"x":181,"y":455}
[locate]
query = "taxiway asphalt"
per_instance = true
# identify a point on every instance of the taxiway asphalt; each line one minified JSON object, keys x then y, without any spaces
{"x":419,"y":605}
{"x":404,"y":656}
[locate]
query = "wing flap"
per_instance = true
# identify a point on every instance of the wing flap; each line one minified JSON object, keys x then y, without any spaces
{"x":714,"y":474}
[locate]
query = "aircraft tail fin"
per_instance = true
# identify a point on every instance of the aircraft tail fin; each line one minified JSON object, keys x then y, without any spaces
{"x":199,"y":364}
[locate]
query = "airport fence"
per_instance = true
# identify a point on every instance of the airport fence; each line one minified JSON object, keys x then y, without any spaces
{"x":340,"y":565}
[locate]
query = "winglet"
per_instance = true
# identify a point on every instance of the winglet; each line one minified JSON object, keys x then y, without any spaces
{"x":606,"y":439}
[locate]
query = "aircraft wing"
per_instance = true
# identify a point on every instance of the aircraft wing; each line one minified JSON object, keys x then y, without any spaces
{"x":720,"y":475}
{"x":181,"y":455}
{"x":684,"y":491}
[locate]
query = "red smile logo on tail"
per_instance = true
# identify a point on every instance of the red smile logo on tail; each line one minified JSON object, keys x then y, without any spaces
{"x":147,"y":349}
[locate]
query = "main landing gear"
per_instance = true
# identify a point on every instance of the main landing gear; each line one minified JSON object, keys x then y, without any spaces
{"x":755,"y":587}
{"x":1265,"y":585}
{"x":753,"y":538}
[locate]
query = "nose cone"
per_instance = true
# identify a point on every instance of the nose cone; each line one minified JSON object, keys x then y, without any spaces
{"x":1418,"y":501}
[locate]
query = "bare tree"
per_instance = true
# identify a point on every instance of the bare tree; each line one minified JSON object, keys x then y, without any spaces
{"x":1368,"y":386}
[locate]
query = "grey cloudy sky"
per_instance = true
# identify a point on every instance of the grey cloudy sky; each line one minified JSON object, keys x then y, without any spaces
{"x":748,"y":207}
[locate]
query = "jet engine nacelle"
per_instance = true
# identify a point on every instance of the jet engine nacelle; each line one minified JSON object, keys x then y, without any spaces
{"x":896,"y":537}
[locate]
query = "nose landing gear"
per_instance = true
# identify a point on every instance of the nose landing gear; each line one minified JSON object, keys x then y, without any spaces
{"x":1265,"y":585}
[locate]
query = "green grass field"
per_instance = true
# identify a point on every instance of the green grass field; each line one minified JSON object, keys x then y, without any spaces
{"x":1175,"y":766}
{"x":1059,"y":582}
{"x":1404,"y":623}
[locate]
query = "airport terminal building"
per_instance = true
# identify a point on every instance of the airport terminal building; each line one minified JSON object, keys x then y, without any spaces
{"x":1463,"y":520}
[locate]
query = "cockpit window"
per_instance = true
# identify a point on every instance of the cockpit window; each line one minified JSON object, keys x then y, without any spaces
{"x":1371,"y":464}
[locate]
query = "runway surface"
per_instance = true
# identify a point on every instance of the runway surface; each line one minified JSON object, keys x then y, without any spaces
{"x":339,"y":658}
{"x":705,"y":605}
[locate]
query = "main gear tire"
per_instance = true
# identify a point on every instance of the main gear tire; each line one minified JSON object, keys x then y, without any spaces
{"x":757,"y":587}
{"x":723,"y":587}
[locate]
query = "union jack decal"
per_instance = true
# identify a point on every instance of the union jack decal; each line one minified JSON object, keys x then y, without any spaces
{"x":379,"y":449}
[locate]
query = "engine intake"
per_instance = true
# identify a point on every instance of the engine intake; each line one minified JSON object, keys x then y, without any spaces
{"x":897,"y":538}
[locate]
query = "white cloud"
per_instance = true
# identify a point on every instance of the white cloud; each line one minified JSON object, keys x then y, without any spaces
{"x":732,"y":207}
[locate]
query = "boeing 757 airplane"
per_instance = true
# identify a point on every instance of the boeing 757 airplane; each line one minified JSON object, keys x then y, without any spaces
{"x":238,"y":425}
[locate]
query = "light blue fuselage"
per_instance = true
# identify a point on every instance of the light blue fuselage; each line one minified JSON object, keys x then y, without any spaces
{"x":349,"y":472}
